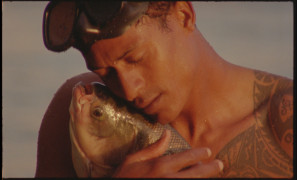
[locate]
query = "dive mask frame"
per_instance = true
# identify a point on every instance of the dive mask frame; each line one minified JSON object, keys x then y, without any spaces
{"x":81,"y":23}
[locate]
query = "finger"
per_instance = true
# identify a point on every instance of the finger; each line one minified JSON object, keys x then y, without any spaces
{"x":77,"y":93}
{"x":85,"y":114}
{"x":82,"y":127}
{"x":79,"y":98}
{"x":75,"y":107}
{"x":210,"y":169}
{"x":154,"y":150}
{"x":82,"y":119}
{"x":187,"y":158}
{"x":80,"y":112}
{"x":182,"y":160}
{"x":86,"y":99}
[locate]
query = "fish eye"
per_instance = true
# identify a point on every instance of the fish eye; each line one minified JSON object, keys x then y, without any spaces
{"x":97,"y":112}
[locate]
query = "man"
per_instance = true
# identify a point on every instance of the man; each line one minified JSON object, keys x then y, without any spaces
{"x":238,"y":121}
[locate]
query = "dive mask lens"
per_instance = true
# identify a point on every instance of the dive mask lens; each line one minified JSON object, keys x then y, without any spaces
{"x":58,"y":22}
{"x":81,"y":23}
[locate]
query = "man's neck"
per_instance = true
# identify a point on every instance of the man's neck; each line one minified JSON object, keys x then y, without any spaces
{"x":214,"y":100}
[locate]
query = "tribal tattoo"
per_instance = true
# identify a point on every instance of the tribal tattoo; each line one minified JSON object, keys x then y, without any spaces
{"x":265,"y":149}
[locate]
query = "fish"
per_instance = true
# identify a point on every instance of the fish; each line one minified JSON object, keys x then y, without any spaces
{"x":104,"y":129}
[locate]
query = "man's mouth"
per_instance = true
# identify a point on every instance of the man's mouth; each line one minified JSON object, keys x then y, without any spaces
{"x":151,"y":107}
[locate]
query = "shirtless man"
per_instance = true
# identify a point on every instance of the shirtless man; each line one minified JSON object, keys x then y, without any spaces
{"x":163,"y":65}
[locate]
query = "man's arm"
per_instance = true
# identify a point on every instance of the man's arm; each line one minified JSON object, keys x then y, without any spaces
{"x":54,"y":147}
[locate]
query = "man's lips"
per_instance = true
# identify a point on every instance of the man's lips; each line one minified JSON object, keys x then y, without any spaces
{"x":149,"y":108}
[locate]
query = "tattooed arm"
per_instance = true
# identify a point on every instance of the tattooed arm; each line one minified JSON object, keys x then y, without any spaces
{"x":280,"y":114}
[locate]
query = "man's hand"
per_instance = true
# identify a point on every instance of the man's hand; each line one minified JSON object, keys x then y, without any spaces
{"x":149,"y":162}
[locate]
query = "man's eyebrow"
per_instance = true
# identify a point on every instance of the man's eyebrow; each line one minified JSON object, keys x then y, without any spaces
{"x":93,"y":67}
{"x":125,"y":53}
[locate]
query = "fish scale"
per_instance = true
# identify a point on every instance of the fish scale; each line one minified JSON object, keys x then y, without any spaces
{"x":123,"y":128}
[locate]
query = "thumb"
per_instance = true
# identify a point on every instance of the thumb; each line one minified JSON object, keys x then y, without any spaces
{"x":152,"y":151}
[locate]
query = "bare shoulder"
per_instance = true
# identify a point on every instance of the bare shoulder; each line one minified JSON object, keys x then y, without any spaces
{"x":264,"y":149}
{"x":279,"y":99}
{"x":54,"y":152}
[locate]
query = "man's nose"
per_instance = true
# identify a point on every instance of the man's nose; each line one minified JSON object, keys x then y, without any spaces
{"x":131,"y":82}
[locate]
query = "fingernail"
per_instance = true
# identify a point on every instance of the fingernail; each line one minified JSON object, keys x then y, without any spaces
{"x":220,"y":164}
{"x":208,"y":152}
{"x":83,"y":100}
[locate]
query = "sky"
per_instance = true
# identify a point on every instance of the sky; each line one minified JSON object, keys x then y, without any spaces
{"x":257,"y":35}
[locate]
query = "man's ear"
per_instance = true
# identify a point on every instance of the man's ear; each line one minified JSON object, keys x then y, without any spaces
{"x":186,"y":14}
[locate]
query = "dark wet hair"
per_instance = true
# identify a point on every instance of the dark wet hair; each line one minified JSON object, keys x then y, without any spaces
{"x":160,"y":10}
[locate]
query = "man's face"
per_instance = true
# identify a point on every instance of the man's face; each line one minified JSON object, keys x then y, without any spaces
{"x":146,"y":66}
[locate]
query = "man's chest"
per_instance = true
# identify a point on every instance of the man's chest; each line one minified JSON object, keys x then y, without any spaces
{"x":254,"y":153}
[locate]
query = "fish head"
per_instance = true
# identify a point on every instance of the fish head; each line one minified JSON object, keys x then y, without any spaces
{"x":102,"y":111}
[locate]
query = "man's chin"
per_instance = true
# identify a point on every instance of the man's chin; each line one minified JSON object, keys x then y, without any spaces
{"x":161,"y":119}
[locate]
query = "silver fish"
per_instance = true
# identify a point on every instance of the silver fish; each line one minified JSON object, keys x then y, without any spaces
{"x":111,"y":129}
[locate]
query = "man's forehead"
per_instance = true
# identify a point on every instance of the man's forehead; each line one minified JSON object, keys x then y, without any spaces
{"x":114,"y":50}
{"x":109,"y":50}
{"x":121,"y":43}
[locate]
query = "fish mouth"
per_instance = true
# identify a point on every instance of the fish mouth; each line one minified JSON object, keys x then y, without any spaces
{"x":85,"y":89}
{"x":88,"y":88}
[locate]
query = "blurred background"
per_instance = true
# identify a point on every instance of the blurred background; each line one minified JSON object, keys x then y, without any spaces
{"x":258,"y":35}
